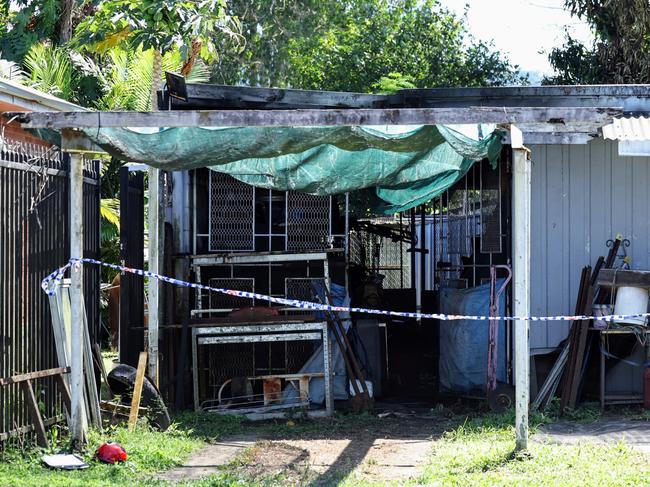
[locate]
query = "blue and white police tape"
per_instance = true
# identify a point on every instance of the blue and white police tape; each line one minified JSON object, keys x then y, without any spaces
{"x":53,"y":280}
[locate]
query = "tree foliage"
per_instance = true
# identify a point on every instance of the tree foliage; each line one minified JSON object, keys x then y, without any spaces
{"x":262,"y":57}
{"x":353,"y":44}
{"x":160,"y":25}
{"x":125,"y":76}
{"x":24,"y":23}
{"x":51,"y":70}
{"x":369,"y":39}
{"x":620,"y":52}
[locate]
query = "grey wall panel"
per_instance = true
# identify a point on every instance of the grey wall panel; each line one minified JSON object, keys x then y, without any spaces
{"x":583,"y":195}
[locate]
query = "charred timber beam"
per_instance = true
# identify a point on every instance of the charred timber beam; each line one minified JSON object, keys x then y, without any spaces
{"x":331,"y":117}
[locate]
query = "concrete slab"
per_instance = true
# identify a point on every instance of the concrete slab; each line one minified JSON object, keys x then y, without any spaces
{"x":209,"y":460}
{"x":607,"y":430}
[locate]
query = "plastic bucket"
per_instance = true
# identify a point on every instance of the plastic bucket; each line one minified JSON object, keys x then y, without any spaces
{"x":601,"y":310}
{"x":631,"y":301}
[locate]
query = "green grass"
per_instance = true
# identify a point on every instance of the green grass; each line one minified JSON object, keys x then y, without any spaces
{"x":149,"y":452}
{"x":476,"y":450}
{"x":481,"y":452}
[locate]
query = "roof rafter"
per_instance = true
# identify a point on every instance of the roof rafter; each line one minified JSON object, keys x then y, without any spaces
{"x":557,"y":116}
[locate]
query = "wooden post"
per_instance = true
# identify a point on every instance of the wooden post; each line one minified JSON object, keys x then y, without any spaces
{"x":78,"y":422}
{"x":137,"y":390}
{"x":155,"y":258}
{"x":521,"y":204}
{"x":35,"y":414}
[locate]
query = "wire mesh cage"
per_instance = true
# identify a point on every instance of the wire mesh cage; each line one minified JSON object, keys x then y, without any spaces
{"x":381,"y":255}
{"x":219,"y":364}
{"x":308,"y":221}
{"x":227,"y":302}
{"x":305,"y":288}
{"x":231,"y":214}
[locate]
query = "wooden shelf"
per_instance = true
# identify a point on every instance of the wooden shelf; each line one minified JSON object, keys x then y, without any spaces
{"x":619,"y":277}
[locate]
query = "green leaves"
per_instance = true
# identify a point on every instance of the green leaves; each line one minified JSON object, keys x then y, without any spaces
{"x":51,"y":71}
{"x":620,"y":52}
{"x":162,"y":25}
{"x":127,"y":77}
{"x":367,"y":40}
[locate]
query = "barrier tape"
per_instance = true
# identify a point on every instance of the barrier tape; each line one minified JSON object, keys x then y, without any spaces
{"x":53,"y":280}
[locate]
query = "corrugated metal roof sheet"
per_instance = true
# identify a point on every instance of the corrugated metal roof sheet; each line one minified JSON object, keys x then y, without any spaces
{"x":32,"y":99}
{"x":634,"y":128}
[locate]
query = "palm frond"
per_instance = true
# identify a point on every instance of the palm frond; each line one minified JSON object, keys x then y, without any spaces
{"x":12,"y":71}
{"x":200,"y":73}
{"x":50,"y":70}
{"x":109,"y":210}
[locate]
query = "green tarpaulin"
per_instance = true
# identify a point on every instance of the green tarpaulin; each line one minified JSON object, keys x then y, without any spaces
{"x":405,"y":169}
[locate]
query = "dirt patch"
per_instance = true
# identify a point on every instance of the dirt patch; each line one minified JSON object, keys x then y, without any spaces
{"x":275,"y":459}
{"x":390,"y":449}
{"x":321,"y":452}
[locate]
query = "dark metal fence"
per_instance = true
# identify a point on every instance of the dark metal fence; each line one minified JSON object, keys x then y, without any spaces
{"x":34,"y":226}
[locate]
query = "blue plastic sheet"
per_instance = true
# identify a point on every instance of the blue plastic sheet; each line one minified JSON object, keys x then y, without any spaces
{"x":315,"y":362}
{"x":463,"y":343}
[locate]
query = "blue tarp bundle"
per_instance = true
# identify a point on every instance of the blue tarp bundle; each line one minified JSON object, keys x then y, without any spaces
{"x":463,"y":343}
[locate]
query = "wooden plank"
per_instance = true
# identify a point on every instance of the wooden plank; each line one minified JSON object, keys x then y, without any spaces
{"x":634,"y":278}
{"x":137,"y":390}
{"x":577,"y":340}
{"x":272,"y":390}
{"x":65,"y":392}
{"x":156,"y":248}
{"x":521,"y":239}
{"x":553,"y":136}
{"x":316,"y":117}
{"x":583,"y":330}
{"x":92,"y":391}
{"x":35,"y":414}
{"x":78,"y":418}
{"x":241,"y":97}
{"x":29,"y":427}
{"x":99,"y":363}
{"x":39,"y":374}
{"x":304,"y":389}
{"x":119,"y":408}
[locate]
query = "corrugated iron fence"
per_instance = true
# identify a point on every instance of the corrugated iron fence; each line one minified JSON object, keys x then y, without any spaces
{"x":34,"y":221}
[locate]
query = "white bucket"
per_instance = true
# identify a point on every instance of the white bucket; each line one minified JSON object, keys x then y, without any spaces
{"x":601,"y":310}
{"x":631,"y":301}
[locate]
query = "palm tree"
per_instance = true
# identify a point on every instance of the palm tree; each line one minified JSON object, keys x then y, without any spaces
{"x":50,"y":70}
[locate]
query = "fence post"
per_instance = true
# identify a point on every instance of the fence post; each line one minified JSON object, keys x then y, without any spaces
{"x":78,"y":422}
{"x":521,"y":215}
{"x":156,"y":236}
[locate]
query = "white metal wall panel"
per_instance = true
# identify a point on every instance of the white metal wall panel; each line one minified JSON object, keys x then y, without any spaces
{"x":583,"y":195}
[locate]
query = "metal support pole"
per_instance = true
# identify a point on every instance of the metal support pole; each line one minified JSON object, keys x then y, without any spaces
{"x":156,"y":235}
{"x":423,"y":259}
{"x":521,"y":203}
{"x":78,"y":423}
{"x":413,"y":250}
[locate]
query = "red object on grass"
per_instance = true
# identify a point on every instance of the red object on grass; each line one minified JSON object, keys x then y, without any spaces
{"x":111,"y":453}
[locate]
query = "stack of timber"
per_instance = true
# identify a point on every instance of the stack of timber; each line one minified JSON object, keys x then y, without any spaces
{"x":569,"y":368}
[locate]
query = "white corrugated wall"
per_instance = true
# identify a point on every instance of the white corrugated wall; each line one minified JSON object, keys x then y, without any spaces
{"x":583,"y":195}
